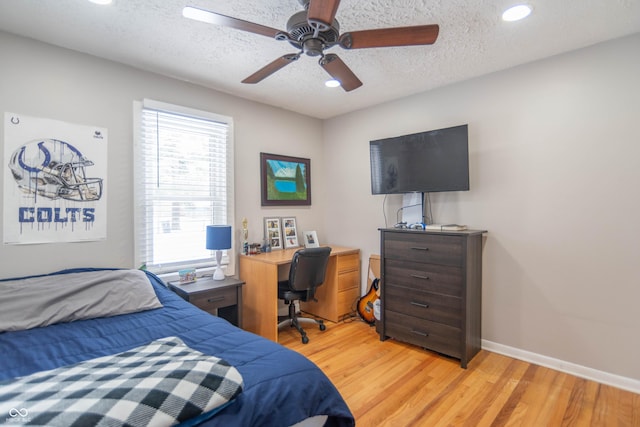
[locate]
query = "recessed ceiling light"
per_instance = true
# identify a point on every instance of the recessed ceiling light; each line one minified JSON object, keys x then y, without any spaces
{"x":332,"y":83}
{"x":516,"y":13}
{"x":101,"y":1}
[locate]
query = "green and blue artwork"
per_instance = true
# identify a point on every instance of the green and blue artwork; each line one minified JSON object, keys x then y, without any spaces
{"x":285,"y":180}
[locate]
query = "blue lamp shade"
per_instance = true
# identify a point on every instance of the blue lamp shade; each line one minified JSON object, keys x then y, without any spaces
{"x":218,"y":239}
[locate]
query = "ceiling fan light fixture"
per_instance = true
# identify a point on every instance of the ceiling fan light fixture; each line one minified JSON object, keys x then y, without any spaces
{"x":516,"y":13}
{"x":332,"y":83}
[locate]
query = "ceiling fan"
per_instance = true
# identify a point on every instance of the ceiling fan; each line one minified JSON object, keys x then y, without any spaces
{"x":314,"y":30}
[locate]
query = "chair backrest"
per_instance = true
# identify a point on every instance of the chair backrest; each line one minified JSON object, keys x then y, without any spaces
{"x":308,"y":269}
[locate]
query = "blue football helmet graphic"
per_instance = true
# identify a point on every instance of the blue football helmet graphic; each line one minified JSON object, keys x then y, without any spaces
{"x":54,"y":169}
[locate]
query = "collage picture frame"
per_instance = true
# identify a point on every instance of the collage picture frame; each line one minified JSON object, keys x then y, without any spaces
{"x":273,"y":232}
{"x":290,"y":232}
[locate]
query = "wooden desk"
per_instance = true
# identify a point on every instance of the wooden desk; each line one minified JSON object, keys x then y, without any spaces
{"x":260,"y":293}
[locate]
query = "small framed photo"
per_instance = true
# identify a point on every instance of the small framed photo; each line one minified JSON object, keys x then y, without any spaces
{"x":290,"y":232}
{"x":273,"y":232}
{"x":310,"y":239}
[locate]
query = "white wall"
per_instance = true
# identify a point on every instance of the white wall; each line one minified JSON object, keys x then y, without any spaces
{"x":554,"y":150}
{"x":44,"y":81}
{"x":555,"y":170}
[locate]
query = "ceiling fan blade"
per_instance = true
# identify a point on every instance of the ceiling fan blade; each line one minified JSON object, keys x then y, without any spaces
{"x":321,"y":13}
{"x":385,"y":37}
{"x":339,"y":71}
{"x":227,"y":21}
{"x":271,"y":68}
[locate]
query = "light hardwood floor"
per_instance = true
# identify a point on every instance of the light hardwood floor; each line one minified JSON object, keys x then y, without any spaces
{"x":394,"y":384}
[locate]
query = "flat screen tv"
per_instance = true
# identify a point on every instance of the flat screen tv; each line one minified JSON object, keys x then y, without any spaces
{"x":432,"y":161}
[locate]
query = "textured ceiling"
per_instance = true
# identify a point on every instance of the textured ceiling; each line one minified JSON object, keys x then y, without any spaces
{"x":153,"y":35}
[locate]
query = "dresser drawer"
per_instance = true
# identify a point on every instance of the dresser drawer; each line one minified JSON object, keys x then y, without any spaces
{"x":211,"y":301}
{"x":441,"y":279}
{"x":419,"y":247}
{"x":424,"y":333}
{"x":424,"y":305}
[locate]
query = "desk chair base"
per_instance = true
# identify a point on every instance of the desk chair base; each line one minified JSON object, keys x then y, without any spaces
{"x":294,"y":321}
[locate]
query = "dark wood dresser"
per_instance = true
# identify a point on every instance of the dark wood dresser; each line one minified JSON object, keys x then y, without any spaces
{"x":431,"y":290}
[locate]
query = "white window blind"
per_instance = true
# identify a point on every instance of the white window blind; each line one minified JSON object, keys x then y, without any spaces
{"x":183,"y":182}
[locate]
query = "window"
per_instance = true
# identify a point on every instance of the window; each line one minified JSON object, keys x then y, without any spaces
{"x":183,"y":181}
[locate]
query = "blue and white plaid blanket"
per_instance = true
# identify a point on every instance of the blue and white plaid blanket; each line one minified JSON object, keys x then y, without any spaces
{"x":159,"y":384}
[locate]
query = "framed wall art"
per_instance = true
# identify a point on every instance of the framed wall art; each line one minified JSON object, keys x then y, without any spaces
{"x":273,"y":232}
{"x":290,"y":232}
{"x":285,"y":180}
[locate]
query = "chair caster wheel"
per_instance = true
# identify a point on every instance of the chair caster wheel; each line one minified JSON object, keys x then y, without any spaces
{"x":322,"y":327}
{"x":305,"y":340}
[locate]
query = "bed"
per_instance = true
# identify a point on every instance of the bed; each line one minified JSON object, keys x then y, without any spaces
{"x":276,"y":386}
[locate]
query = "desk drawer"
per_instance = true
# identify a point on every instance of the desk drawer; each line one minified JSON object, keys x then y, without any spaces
{"x":441,"y":279}
{"x":349,"y":262}
{"x":419,"y":247}
{"x":210,"y":301}
{"x":424,"y":305}
{"x":347,"y":301}
{"x":349,"y":280}
{"x":424,"y":333}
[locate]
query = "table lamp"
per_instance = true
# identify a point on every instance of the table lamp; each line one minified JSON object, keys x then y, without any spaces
{"x":218,"y":239}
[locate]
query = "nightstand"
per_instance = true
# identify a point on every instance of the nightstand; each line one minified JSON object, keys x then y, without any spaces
{"x":221,"y":298}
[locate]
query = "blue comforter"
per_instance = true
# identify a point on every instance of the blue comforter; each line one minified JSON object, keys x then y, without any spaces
{"x":281,"y":386}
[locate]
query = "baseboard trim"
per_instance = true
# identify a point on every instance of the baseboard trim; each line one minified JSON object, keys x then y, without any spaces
{"x":607,"y":378}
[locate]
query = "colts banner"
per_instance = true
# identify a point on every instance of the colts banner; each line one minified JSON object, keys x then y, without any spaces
{"x":54,"y":181}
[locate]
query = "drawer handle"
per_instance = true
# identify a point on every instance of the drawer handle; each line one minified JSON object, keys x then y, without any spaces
{"x":419,"y":304}
{"x":417,"y":276}
{"x":215,"y":299}
{"x":417,"y":248}
{"x":422,"y":334}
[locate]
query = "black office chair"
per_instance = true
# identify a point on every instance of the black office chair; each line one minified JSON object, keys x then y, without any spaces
{"x":308,"y":268}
